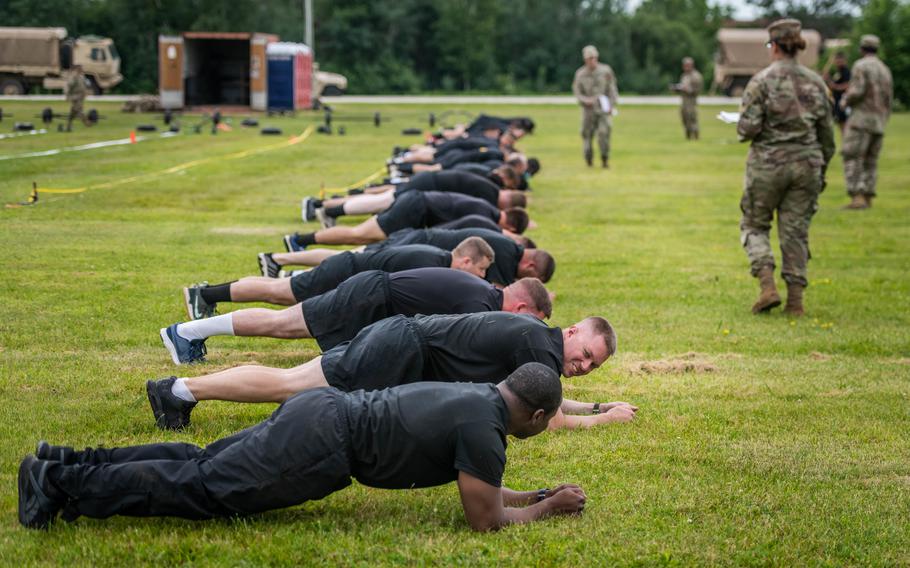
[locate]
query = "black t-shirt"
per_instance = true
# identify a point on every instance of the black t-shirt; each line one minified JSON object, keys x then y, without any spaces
{"x":449,"y":159}
{"x":479,"y":168}
{"x":394,"y":259}
{"x":443,"y":207}
{"x":486,"y":346}
{"x":504,"y":269}
{"x":470,"y":143}
{"x":441,"y":291}
{"x":471,"y":221}
{"x":453,"y":181}
{"x":423,"y":434}
{"x":840,"y":76}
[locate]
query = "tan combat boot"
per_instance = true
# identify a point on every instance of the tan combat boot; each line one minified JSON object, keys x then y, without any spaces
{"x":857,"y":202}
{"x":768,"y":298}
{"x":794,"y":305}
{"x":868,"y":199}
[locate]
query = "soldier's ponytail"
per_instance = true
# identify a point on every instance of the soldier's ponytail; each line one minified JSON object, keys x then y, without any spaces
{"x":790,"y":46}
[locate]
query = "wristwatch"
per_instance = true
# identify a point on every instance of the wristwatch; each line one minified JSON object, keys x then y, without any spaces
{"x":542,"y":494}
{"x":596,"y":409}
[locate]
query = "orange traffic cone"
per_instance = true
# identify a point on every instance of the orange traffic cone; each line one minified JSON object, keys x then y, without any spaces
{"x":132,"y":136}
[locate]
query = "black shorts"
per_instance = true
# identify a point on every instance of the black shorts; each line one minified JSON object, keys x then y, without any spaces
{"x":388,"y":353}
{"x":337,"y":316}
{"x":407,"y":212}
{"x":325,"y":277}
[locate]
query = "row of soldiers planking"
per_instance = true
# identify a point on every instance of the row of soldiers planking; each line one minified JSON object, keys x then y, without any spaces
{"x":434,"y":349}
{"x":786,"y":114}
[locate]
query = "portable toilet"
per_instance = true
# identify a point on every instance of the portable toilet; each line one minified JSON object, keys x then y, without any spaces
{"x":290,"y":76}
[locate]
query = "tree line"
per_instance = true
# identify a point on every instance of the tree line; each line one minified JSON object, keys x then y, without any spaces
{"x":505,"y":46}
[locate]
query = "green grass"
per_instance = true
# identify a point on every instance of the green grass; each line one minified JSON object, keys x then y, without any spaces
{"x":794,"y":451}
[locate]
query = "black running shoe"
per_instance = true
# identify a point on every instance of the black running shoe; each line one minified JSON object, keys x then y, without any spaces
{"x":268,"y":266}
{"x":308,"y":209}
{"x":63,"y":454}
{"x":171,"y":413}
{"x":39,"y":502}
{"x":196,"y":306}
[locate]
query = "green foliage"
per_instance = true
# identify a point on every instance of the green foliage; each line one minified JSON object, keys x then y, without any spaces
{"x":512,"y":46}
{"x":890,"y":20}
{"x":792,"y":452}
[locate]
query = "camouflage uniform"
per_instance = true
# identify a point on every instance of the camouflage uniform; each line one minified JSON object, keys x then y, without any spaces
{"x":587,"y":86}
{"x":690,"y":85}
{"x":75,"y":94}
{"x":869,"y":97}
{"x":786,"y":113}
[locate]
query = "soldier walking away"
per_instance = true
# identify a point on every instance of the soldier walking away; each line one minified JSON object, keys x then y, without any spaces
{"x":689,"y":87}
{"x":75,"y":94}
{"x":869,"y":97}
{"x":595,"y":88}
{"x":786,"y":113}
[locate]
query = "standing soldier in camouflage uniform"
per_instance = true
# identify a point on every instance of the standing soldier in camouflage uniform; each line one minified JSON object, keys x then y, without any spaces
{"x":593,"y":80}
{"x":869,"y":97}
{"x":786,"y":113}
{"x":75,"y":94}
{"x":689,"y":87}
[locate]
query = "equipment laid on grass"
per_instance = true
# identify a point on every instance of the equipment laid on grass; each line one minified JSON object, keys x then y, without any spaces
{"x":23,"y":126}
{"x":48,"y":115}
{"x":147,"y":128}
{"x":270,"y":131}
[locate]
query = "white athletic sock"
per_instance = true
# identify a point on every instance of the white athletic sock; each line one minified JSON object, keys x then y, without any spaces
{"x":181,"y":391}
{"x":369,"y":204}
{"x":205,"y":328}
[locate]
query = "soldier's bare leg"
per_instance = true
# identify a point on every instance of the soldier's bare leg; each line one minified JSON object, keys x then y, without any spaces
{"x":309,"y":257}
{"x":365,"y":233}
{"x":255,"y":383}
{"x":427,"y":168}
{"x":259,"y":289}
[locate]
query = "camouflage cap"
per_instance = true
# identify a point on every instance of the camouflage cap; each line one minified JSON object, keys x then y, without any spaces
{"x":870,"y":40}
{"x":784,"y":29}
{"x":589,"y":51}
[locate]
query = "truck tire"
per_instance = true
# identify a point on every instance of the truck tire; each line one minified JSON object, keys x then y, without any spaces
{"x":11,"y":86}
{"x":331,"y":91}
{"x":93,"y":85}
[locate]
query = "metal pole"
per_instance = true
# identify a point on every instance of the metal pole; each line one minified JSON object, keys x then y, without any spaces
{"x":308,"y":16}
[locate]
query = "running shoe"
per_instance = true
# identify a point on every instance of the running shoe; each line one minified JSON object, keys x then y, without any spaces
{"x":196,"y":306}
{"x":268,"y":266}
{"x":171,"y":413}
{"x":182,"y":350}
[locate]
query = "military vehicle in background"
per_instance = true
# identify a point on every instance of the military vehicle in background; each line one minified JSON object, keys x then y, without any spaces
{"x":327,"y":84}
{"x":40,"y":56}
{"x":742,"y":52}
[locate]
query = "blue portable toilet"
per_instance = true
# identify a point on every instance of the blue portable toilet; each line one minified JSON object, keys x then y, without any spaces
{"x":290,"y":76}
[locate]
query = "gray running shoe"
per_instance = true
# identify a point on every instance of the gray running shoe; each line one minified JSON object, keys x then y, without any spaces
{"x":326,"y":221}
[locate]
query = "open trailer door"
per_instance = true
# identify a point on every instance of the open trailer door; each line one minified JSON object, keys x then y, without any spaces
{"x":259,"y":70}
{"x":170,"y":71}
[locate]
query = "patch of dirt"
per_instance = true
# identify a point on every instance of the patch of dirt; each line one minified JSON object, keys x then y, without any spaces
{"x":244,"y":230}
{"x":904,"y":361}
{"x":819,"y":356}
{"x":690,"y":362}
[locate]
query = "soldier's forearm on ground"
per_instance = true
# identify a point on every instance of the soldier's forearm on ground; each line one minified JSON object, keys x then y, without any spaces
{"x":511,"y":498}
{"x":574,"y":407}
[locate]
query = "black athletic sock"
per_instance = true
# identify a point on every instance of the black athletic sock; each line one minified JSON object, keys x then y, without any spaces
{"x":217,"y":293}
{"x":317,"y":203}
{"x":406,"y":168}
{"x":336,"y":211}
{"x":355,"y":191}
{"x":305,"y":239}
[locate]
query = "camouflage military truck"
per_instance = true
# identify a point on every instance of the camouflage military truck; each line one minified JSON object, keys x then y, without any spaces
{"x":741,"y":53}
{"x":39,"y":56}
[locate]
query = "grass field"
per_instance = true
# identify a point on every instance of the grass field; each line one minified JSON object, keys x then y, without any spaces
{"x":785,"y":443}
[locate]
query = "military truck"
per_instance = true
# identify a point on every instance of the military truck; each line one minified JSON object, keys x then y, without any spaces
{"x":31,"y":57}
{"x":741,"y":53}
